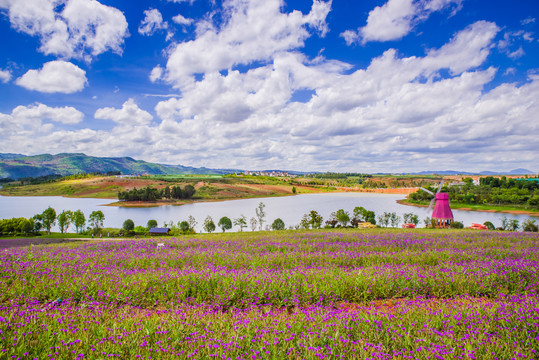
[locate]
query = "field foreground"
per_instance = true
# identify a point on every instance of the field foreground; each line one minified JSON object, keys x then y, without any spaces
{"x":276,"y":295}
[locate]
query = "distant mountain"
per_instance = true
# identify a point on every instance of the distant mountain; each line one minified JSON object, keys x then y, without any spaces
{"x":10,"y":156}
{"x":521,"y":172}
{"x":17,"y":166}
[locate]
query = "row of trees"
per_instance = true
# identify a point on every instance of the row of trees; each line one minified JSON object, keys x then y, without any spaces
{"x":48,"y":218}
{"x":490,"y":191}
{"x":153,"y":194}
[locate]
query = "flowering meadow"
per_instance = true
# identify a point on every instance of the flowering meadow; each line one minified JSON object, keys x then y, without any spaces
{"x":314,"y":294}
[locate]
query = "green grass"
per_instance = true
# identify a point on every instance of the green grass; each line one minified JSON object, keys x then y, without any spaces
{"x":478,"y":207}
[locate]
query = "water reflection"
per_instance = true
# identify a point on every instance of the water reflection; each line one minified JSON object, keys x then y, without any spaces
{"x":290,"y":209}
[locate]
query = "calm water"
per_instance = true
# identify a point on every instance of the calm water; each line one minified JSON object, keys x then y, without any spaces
{"x":290,"y":209}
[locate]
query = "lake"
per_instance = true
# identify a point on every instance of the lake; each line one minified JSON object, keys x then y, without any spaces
{"x":290,"y":209}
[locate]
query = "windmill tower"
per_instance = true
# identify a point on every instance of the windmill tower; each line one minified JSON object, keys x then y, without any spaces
{"x":442,"y":216}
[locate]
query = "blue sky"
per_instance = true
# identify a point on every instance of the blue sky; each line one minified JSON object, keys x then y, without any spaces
{"x":367,"y":86}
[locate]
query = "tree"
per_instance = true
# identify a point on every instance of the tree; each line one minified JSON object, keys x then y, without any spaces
{"x":27,"y":226}
{"x":96,"y":219}
{"x":253,"y":223}
{"x":489,"y":225}
{"x":64,"y":220}
{"x":332,"y":221}
{"x":260,"y":214}
{"x":342,"y":217}
{"x":128,"y":225}
{"x":514,"y":224}
{"x":510,"y":224}
{"x":189,"y":191}
{"x":411,"y":218}
{"x":294,"y":190}
{"x":278,"y":224}
{"x":209,"y":225}
{"x":48,"y":218}
{"x":38,"y":222}
{"x":427,"y":221}
{"x":78,"y":220}
{"x":151,"y":224}
{"x":395,"y":219}
{"x":184,"y":226}
{"x":384,"y":219}
{"x":312,"y":220}
{"x":362,"y":214}
{"x":225,"y":223}
{"x":241,"y":222}
{"x":192,"y":223}
{"x":529,"y":225}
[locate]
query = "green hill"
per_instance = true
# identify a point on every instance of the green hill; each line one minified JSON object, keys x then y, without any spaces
{"x":18,"y":166}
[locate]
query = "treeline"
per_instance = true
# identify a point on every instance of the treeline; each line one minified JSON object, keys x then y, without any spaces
{"x":48,"y":218}
{"x":332,"y":175}
{"x":153,"y":194}
{"x":490,"y":191}
{"x":36,"y":180}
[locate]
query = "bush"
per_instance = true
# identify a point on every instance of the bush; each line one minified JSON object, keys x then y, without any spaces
{"x":224,"y":223}
{"x":128,"y":225}
{"x":489,"y":225}
{"x":456,"y":225}
{"x":151,"y":224}
{"x":278,"y":224}
{"x":184,"y":226}
{"x":140,"y":229}
{"x":529,"y":225}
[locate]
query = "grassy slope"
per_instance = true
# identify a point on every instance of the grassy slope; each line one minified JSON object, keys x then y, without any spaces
{"x":208,"y":188}
{"x":476,"y":207}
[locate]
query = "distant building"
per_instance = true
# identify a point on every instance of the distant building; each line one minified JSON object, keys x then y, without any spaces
{"x":159,"y":231}
{"x":269,"y":173}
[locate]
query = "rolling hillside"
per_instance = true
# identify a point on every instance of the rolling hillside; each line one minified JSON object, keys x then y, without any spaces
{"x":16,"y":167}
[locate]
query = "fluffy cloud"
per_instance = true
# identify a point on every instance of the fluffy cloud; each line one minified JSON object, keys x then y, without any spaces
{"x":38,"y":112}
{"x":55,"y":77}
{"x":395,"y":19}
{"x":129,"y":114}
{"x":152,"y":22}
{"x":181,"y":20}
{"x":26,"y":124}
{"x":5,"y":76}
{"x":69,"y":28}
{"x":286,"y":110}
{"x":252,"y":31}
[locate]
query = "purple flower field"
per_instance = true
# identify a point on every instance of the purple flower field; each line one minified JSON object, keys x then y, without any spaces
{"x":338,"y":294}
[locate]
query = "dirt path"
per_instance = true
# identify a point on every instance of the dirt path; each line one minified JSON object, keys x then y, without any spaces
{"x":11,"y":243}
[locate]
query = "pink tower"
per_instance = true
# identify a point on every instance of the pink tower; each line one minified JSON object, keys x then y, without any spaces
{"x":442,"y":214}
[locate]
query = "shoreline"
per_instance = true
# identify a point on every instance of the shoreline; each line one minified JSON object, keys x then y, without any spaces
{"x":514,"y":212}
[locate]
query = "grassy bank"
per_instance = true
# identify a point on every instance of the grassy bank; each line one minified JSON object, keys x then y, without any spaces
{"x":383,"y":294}
{"x":476,"y":207}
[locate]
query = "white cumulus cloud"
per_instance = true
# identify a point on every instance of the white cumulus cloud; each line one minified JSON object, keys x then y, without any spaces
{"x":69,"y":28}
{"x":55,"y":77}
{"x":129,"y":114}
{"x":152,"y":22}
{"x":181,"y":20}
{"x":34,"y":115}
{"x":253,"y":30}
{"x":395,"y":19}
